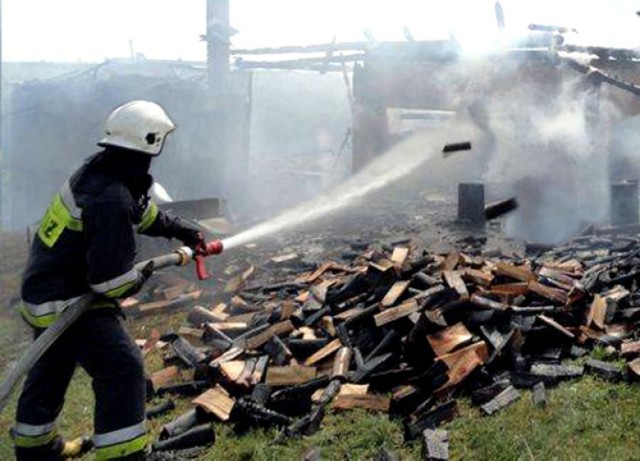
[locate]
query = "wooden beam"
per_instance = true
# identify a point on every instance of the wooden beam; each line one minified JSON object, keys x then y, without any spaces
{"x":369,"y":402}
{"x":395,"y":313}
{"x":446,"y":340}
{"x":217,"y":402}
{"x":289,"y":376}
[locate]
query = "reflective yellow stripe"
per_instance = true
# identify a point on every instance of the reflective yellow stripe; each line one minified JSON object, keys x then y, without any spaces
{"x":148,"y":218}
{"x":118,"y":292}
{"x":56,"y":219}
{"x":43,"y":321}
{"x":115,"y":284}
{"x":25,"y":441}
{"x":122,"y":449}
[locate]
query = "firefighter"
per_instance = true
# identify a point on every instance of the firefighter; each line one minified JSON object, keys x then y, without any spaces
{"x":86,"y":242}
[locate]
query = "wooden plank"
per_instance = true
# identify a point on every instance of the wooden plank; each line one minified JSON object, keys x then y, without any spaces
{"x":480,"y":348}
{"x":200,"y":315}
{"x":451,"y":262}
{"x":617,"y":293}
{"x":277,"y":329}
{"x":605,"y":370}
{"x":630,"y":349}
{"x":520,"y":273}
{"x":165,"y":376}
{"x":552,"y":294}
{"x":341,"y":363}
{"x":539,"y":395}
{"x":477,"y":277}
{"x":552,"y":323}
{"x":509,"y":289}
{"x":597,"y":312}
{"x":232,"y":370}
{"x":382,"y":265}
{"x":557,"y":371}
{"x":319,"y":272}
{"x":152,"y":343}
{"x":289,"y":376}
{"x":634,"y":367}
{"x":288,"y":308}
{"x":559,"y":277}
{"x":163,"y":306}
{"x":229,"y":355}
{"x":370,"y":402}
{"x":573,"y":266}
{"x":229,"y":328}
{"x":323,"y":353}
{"x":504,"y":399}
{"x":399,"y":256}
{"x":394,"y":313}
{"x":462,"y":363}
{"x":436,"y":444}
{"x":247,"y":372}
{"x":327,"y":325}
{"x":217,"y":402}
{"x":196,"y":333}
{"x":454,"y":280}
{"x":348,"y":313}
{"x":488,"y":303}
{"x":444,"y":412}
{"x":354,"y":389}
{"x":395,"y":292}
{"x":444,"y":341}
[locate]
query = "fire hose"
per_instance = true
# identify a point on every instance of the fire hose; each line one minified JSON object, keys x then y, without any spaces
{"x":180,"y":257}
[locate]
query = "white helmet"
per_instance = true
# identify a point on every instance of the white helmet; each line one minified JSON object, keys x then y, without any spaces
{"x":138,"y":125}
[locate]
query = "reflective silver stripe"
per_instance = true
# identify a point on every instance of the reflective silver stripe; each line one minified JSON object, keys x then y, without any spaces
{"x":121,"y":435}
{"x":50,"y":307}
{"x":117,"y":282}
{"x":69,"y":201}
{"x":29,"y":430}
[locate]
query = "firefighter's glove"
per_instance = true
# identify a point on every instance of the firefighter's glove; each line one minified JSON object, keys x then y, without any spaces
{"x":190,"y":236}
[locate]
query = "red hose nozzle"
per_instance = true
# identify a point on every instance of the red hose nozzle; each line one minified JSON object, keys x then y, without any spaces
{"x":214,"y":247}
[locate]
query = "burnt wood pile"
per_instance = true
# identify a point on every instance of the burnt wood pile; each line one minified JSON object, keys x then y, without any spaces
{"x":393,"y":329}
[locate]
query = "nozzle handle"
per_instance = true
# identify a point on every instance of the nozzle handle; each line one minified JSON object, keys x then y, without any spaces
{"x":214,"y":247}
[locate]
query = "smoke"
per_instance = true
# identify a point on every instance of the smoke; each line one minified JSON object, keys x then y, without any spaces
{"x":398,"y":162}
{"x":550,"y":151}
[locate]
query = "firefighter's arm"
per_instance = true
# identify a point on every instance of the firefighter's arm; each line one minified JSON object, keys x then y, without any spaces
{"x":157,"y":223}
{"x":111,"y":248}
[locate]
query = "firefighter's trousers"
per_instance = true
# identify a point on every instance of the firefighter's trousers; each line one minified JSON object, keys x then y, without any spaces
{"x":97,"y":342}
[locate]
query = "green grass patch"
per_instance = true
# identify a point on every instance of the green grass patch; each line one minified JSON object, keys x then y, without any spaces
{"x":584,"y":419}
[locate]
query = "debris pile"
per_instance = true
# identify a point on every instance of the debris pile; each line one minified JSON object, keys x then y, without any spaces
{"x":395,"y":329}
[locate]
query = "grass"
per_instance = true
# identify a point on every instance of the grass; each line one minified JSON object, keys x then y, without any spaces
{"x":585,"y":419}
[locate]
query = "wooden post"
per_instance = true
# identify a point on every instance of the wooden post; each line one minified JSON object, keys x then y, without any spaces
{"x":625,"y":206}
{"x":218,"y":44}
{"x":471,"y":203}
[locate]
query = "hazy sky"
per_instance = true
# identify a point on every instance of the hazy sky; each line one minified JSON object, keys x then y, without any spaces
{"x":92,"y":30}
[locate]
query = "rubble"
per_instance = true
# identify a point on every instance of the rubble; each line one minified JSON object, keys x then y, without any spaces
{"x":398,"y":330}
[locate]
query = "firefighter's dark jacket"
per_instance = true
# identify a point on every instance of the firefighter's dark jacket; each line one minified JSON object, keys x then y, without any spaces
{"x":86,"y":241}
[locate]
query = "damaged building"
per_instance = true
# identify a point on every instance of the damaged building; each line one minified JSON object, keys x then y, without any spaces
{"x":305,"y":118}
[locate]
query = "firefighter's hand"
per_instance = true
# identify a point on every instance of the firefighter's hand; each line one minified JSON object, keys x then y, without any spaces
{"x":189,"y":236}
